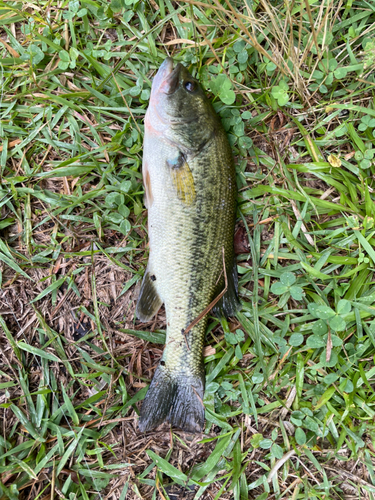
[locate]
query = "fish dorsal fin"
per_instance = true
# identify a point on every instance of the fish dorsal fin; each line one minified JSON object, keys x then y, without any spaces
{"x":149,"y":301}
{"x":182,"y":179}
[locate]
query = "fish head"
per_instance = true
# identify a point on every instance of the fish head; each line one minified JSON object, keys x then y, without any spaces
{"x":179,"y":108}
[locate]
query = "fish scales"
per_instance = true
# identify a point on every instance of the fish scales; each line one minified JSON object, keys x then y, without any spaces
{"x":191,"y":198}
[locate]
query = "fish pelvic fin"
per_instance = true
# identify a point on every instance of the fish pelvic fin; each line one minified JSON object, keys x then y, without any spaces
{"x":178,"y":400}
{"x":149,"y":301}
{"x":229,"y":304}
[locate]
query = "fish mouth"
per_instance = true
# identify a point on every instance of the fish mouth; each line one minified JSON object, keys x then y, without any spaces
{"x":167,"y":78}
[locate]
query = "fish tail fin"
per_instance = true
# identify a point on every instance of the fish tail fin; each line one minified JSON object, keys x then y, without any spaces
{"x":187,"y":410}
{"x":178,"y":400}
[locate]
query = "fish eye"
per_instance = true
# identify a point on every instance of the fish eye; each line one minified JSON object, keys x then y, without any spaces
{"x":190,"y":86}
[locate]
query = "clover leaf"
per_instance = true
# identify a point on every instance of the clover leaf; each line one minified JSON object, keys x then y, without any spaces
{"x":117,"y":212}
{"x":343,"y":307}
{"x":328,"y":70}
{"x":270,"y":68}
{"x":276,"y":450}
{"x":296,"y":339}
{"x":242,"y":57}
{"x":328,"y":316}
{"x":340,"y":73}
{"x":113,"y":200}
{"x":320,"y":327}
{"x":280,"y":93}
{"x":320,"y":311}
{"x":68,"y":59}
{"x":365,"y":158}
{"x":300,"y":436}
{"x":316,"y":341}
{"x":286,"y":284}
{"x":366,"y":122}
{"x":33,"y":54}
{"x":228,"y":390}
{"x":239,"y":46}
{"x":337,"y":323}
{"x":222,"y":87}
{"x":362,"y":258}
{"x":234,"y":338}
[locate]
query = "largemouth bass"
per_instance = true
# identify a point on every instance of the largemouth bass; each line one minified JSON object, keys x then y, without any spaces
{"x":190,"y":193}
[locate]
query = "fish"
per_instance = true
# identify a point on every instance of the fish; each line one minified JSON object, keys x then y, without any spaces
{"x":190,"y":193}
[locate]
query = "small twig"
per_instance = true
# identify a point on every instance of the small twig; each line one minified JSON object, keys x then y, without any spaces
{"x":186,"y":342}
{"x":210,"y":306}
{"x":351,"y":477}
{"x":298,"y":215}
{"x":198,"y":396}
{"x":279,"y":464}
{"x":308,"y":10}
{"x":12,"y":144}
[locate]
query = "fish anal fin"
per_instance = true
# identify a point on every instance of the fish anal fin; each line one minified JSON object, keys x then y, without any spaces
{"x":182,"y":179}
{"x":229,"y":304}
{"x":149,"y":301}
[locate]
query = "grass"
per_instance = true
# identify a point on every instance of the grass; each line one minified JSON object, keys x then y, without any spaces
{"x":290,"y":399}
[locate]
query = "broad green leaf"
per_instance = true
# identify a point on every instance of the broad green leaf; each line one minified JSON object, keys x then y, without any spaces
{"x":300,"y":436}
{"x":343,"y":307}
{"x":12,"y":264}
{"x":324,"y":312}
{"x":296,"y":339}
{"x":37,"y":352}
{"x":320,"y":327}
{"x":26,"y":423}
{"x":54,"y":286}
{"x":266,"y":444}
{"x":69,"y":405}
{"x":287,"y":279}
{"x":278,"y":288}
{"x":277,"y":451}
{"x":10,"y":338}
{"x":337,"y":323}
{"x":168,"y":469}
{"x":297,"y":292}
{"x":326,"y":396}
{"x":316,"y":341}
{"x":153,"y":337}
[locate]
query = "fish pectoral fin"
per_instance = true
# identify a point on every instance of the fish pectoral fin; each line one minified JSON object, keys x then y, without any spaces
{"x":182,"y":179}
{"x":149,"y":301}
{"x":229,"y":304}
